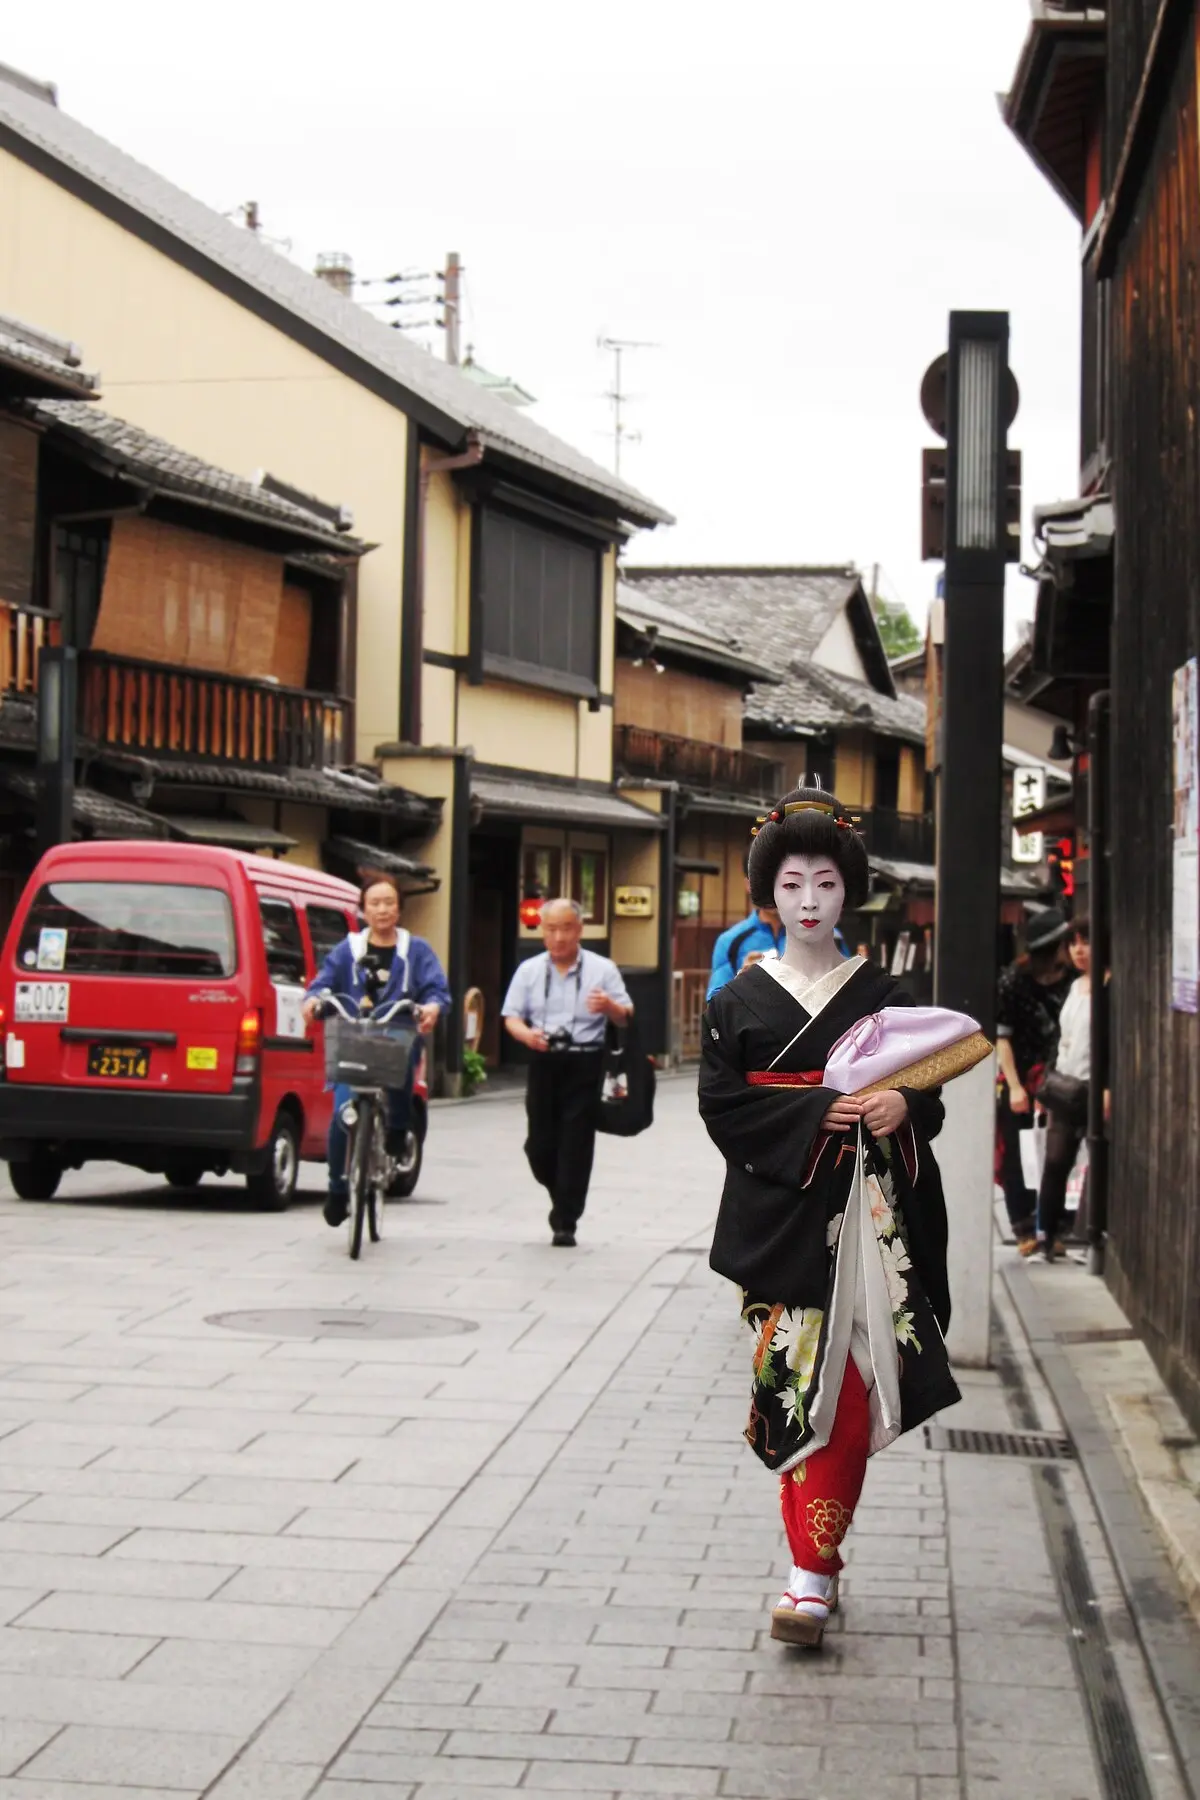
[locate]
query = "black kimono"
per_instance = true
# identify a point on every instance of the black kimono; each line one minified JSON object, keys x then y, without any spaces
{"x":837,"y":1241}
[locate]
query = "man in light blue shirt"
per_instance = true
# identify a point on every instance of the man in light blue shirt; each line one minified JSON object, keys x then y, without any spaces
{"x":558,"y":1005}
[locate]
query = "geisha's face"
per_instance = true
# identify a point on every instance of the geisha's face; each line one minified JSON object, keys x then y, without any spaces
{"x":810,"y":894}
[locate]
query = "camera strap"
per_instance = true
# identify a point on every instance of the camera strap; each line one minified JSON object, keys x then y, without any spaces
{"x":546,"y":993}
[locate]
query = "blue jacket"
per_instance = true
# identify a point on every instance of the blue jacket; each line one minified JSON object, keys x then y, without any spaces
{"x":415,"y":974}
{"x":735,"y":945}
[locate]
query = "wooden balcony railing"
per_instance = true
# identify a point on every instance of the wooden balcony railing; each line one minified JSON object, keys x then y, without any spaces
{"x":191,"y":713}
{"x":23,"y":634}
{"x":897,"y":836}
{"x":638,"y":751}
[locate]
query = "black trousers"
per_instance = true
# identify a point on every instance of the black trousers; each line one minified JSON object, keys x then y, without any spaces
{"x":561,"y":1102}
{"x":1063,"y":1138}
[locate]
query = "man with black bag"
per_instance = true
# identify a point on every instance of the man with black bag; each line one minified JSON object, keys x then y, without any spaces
{"x":559,"y":1005}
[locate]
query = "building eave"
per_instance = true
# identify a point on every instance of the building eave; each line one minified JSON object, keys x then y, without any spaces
{"x":1060,"y":73}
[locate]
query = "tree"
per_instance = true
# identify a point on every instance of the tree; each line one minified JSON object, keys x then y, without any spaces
{"x":897,"y":627}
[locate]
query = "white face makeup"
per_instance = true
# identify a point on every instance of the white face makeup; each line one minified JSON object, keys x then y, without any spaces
{"x":810,"y":894}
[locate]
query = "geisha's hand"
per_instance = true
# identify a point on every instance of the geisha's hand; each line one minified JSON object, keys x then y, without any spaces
{"x":885,"y":1112}
{"x":843,"y":1115}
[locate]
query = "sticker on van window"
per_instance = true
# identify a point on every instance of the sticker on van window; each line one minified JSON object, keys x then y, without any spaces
{"x":43,"y":1002}
{"x":199,"y":1057}
{"x":52,"y":947}
{"x":289,"y":1012}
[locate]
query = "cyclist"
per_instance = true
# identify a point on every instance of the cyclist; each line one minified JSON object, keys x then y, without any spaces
{"x":373,"y":968}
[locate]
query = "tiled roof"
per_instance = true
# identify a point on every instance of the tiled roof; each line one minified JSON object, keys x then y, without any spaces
{"x":332,"y":325}
{"x":41,"y":369}
{"x":144,"y":458}
{"x":345,"y":789}
{"x":780,"y":616}
{"x":510,"y":796}
{"x":677,"y":629}
{"x":771,"y":614}
{"x":813,"y":698}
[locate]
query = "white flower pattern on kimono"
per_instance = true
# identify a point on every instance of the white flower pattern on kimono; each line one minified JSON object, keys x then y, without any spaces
{"x":798,"y":1335}
{"x":905,"y":1334}
{"x":833,"y":1231}
{"x":881,"y":1199}
{"x":895,"y":1260}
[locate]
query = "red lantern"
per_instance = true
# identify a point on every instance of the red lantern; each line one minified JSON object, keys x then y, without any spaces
{"x":530,"y":913}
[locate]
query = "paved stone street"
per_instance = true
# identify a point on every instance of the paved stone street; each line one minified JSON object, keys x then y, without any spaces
{"x":534,"y":1555}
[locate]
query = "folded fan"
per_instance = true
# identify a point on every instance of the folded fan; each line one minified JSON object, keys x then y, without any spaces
{"x":904,"y":1046}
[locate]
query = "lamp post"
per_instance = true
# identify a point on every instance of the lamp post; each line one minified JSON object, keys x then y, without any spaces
{"x":976,"y":401}
{"x":58,"y":670}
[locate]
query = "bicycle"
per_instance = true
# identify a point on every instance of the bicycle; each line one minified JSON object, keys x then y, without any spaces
{"x":368,"y":1054}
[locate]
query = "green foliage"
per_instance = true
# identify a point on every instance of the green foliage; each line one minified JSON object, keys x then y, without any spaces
{"x":474,"y":1071}
{"x":897,"y":627}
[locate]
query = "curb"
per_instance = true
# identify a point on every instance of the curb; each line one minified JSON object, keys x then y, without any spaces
{"x":1162,"y":1619}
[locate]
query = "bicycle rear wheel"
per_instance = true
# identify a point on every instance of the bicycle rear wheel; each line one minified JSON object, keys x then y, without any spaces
{"x":358,"y":1176}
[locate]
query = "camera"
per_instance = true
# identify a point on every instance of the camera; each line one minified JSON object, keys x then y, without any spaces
{"x":560,"y":1040}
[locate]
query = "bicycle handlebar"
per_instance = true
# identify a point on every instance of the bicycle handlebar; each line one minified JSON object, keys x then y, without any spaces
{"x":333,"y":1003}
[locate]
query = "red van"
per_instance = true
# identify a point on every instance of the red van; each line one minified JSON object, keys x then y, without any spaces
{"x":150,"y":998}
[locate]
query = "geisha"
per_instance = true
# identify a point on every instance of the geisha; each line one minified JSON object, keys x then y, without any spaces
{"x":832,"y":1221}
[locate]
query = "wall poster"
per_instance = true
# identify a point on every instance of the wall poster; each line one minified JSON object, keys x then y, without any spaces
{"x":1185,"y":869}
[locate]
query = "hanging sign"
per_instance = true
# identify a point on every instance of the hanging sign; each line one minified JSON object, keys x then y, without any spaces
{"x":1185,"y":849}
{"x":1028,"y":795}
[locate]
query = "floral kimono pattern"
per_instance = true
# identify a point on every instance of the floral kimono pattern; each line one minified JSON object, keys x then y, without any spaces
{"x":837,"y":1241}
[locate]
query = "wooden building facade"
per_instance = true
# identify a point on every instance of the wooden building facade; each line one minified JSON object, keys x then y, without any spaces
{"x":1119,"y":602}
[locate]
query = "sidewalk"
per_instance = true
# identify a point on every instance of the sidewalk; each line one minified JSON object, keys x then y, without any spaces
{"x":533,"y":1554}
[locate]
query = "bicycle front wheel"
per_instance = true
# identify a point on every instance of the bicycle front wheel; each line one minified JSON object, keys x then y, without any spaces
{"x":358,"y":1177}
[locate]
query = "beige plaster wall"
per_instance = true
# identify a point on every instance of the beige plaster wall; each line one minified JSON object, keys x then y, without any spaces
{"x":182,"y":360}
{"x":635,"y":863}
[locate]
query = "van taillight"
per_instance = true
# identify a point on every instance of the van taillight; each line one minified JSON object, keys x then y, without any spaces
{"x":249,"y":1043}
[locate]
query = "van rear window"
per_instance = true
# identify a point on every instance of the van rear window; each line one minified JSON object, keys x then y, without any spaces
{"x":129,"y":928}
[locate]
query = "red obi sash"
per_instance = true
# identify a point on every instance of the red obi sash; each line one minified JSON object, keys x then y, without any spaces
{"x":782,"y":1078}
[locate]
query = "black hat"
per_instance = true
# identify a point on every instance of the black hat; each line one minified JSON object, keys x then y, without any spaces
{"x":1045,"y":928}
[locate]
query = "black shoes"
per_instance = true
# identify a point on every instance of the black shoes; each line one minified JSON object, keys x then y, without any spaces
{"x":563,"y":1240}
{"x":336,"y":1209}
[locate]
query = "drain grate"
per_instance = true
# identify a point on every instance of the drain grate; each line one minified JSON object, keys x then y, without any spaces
{"x":1041,"y":1446}
{"x":1103,"y":1334}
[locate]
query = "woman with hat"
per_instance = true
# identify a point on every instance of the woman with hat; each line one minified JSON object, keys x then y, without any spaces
{"x":1029,"y":999}
{"x":832,"y":1221}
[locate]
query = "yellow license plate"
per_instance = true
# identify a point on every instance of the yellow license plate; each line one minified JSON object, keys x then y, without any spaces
{"x":199,"y":1057}
{"x":119,"y":1062}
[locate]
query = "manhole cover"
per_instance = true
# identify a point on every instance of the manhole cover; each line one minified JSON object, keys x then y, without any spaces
{"x":316,"y":1322}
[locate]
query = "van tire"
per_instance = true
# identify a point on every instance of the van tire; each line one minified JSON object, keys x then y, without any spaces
{"x":274,"y":1185}
{"x":185,"y":1172}
{"x":37,"y":1178}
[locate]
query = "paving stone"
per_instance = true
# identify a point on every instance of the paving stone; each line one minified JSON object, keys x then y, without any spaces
{"x":211,"y":1620}
{"x":150,"y":1759}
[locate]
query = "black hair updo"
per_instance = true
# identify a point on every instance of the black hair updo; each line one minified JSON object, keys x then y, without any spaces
{"x":821,"y":828}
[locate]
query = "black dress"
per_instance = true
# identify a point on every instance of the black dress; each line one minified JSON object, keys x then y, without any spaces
{"x":799,"y":1203}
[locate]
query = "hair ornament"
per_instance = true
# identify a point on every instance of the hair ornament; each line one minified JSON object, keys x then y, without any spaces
{"x":796,"y":806}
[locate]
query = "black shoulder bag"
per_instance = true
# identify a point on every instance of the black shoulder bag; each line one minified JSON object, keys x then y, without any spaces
{"x":626,"y":1104}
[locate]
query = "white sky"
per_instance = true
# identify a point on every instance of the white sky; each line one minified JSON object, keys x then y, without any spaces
{"x":787,"y":197}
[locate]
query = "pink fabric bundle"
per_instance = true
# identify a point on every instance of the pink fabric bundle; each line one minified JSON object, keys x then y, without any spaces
{"x":904,"y":1046}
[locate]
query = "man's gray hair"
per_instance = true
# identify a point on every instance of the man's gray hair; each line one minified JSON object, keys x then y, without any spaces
{"x":563,"y":900}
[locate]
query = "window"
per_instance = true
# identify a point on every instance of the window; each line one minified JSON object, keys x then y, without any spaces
{"x":537,"y":603}
{"x":281,"y":935}
{"x":541,"y":872}
{"x":589,"y":884}
{"x":129,"y":928}
{"x":327,"y":928}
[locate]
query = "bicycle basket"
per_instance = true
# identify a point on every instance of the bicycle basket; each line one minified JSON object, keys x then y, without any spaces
{"x":360,"y":1055}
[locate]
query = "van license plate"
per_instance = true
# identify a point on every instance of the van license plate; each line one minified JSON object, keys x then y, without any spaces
{"x":41,"y":1001}
{"x":124,"y":1062}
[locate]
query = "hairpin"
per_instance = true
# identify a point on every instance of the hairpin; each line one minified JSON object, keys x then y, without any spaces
{"x":808,"y":806}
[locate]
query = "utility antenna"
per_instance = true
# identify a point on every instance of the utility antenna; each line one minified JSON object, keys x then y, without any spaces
{"x":617,"y":396}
